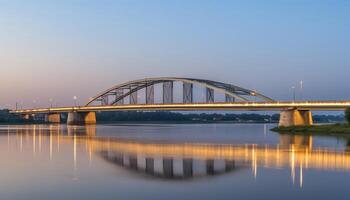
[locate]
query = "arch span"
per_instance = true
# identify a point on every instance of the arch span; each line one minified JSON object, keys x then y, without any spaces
{"x":121,"y":91}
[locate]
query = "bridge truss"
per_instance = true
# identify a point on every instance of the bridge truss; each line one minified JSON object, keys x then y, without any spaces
{"x":117,"y":95}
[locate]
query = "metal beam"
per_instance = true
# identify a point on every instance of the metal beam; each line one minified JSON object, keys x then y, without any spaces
{"x":119,"y":93}
{"x":133,"y":97}
{"x":104,"y":100}
{"x":187,"y":93}
{"x":228,"y":89}
{"x":229,"y":98}
{"x":150,"y":94}
{"x":168,"y":92}
{"x":209,"y":95}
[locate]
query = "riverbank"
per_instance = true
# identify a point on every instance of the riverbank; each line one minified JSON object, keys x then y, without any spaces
{"x":327,"y":129}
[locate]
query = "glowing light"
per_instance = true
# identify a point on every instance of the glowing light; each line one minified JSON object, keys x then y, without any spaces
{"x":301,"y":175}
{"x":309,"y":105}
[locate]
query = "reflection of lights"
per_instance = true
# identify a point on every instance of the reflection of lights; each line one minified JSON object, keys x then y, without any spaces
{"x":265,"y":155}
{"x":75,"y":151}
{"x":50,"y":145}
{"x":90,"y":155}
{"x":292,"y":167}
{"x":278,"y":156}
{"x":58,"y":142}
{"x":299,"y":156}
{"x":21,"y":143}
{"x":254,"y":162}
{"x":301,"y":175}
{"x":8,"y":137}
{"x":34,"y":139}
{"x":75,"y":157}
{"x":39,"y":140}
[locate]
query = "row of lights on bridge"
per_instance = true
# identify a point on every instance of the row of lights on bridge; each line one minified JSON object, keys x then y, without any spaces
{"x":51,"y":102}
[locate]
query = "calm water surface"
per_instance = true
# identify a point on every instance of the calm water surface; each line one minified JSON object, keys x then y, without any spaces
{"x":168,"y":161}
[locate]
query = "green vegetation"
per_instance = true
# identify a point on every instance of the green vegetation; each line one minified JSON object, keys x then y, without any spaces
{"x":132,"y":116}
{"x":347,"y":115}
{"x":319,"y":129}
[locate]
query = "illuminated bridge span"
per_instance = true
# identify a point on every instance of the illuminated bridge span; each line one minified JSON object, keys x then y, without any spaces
{"x":160,"y":94}
{"x":117,"y":94}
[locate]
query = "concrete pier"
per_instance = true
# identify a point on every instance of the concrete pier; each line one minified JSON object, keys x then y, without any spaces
{"x":81,"y":118}
{"x":53,"y":118}
{"x":295,"y":117}
{"x":26,"y":116}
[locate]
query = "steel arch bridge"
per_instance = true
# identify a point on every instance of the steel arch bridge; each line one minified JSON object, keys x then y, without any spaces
{"x":118,"y":93}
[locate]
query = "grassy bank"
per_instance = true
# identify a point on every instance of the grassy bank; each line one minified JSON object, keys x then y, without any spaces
{"x":319,"y":129}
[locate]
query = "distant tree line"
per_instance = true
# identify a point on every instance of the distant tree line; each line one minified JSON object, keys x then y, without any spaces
{"x":176,"y":116}
{"x":347,"y":115}
{"x":202,"y":117}
{"x":7,"y":117}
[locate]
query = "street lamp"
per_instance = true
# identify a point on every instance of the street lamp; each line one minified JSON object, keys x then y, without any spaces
{"x":34,"y":103}
{"x":301,"y":89}
{"x":75,"y":100}
{"x":293,"y":87}
{"x":50,"y":100}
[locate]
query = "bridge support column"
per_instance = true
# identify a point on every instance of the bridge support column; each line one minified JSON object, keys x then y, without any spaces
{"x":295,"y":117}
{"x":81,"y":118}
{"x":53,"y":118}
{"x":26,"y":116}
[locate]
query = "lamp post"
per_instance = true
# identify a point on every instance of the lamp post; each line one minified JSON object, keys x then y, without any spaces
{"x":293,"y":87}
{"x":34,"y":103}
{"x":75,"y":100}
{"x":301,"y":89}
{"x":50,"y":100}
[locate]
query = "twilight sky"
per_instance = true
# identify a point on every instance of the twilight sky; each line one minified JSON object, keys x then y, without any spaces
{"x":58,"y":49}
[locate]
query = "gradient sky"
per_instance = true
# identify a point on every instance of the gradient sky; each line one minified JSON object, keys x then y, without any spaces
{"x":58,"y":49}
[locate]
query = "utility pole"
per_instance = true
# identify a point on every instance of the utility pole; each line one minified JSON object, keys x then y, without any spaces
{"x":301,"y":90}
{"x":75,"y":100}
{"x":50,"y":100}
{"x":34,"y":103}
{"x":293,"y":87}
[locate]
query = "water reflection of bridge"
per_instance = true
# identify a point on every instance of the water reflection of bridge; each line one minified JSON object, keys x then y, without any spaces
{"x":169,"y":167}
{"x":182,"y":160}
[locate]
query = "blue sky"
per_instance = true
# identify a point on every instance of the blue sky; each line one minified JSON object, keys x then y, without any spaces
{"x":58,"y":49}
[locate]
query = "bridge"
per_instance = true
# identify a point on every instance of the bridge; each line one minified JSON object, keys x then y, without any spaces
{"x":179,"y":94}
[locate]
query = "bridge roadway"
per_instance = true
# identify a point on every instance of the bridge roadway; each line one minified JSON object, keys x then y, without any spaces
{"x":292,"y":112}
{"x":249,"y":106}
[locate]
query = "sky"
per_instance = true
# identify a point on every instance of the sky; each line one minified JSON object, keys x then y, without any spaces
{"x":60,"y":49}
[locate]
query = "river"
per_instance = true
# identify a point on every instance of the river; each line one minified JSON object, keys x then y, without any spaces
{"x":170,"y":161}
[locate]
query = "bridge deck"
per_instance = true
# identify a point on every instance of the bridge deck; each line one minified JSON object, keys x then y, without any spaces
{"x":249,"y":106}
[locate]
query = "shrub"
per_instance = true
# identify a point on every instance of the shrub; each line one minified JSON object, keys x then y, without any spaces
{"x":347,"y":115}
